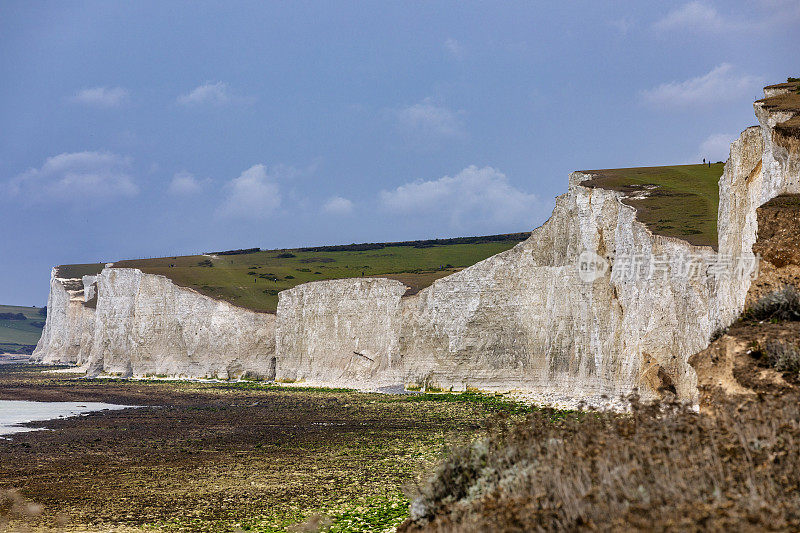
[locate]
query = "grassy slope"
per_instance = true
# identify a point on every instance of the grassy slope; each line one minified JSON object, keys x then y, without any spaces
{"x":14,"y":333}
{"x":229,"y":278}
{"x":683,"y":205}
{"x":253,"y":280}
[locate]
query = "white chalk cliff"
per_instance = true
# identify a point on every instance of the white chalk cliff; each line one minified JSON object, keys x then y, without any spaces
{"x":521,"y":320}
{"x":69,"y":328}
{"x":147,"y":325}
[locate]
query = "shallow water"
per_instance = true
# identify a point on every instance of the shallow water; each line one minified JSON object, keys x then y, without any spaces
{"x":10,"y":358}
{"x":14,"y":412}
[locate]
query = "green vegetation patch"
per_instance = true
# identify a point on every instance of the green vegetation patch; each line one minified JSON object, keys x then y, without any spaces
{"x":676,"y":201}
{"x":493,"y":402}
{"x":253,"y":279}
{"x":20,"y":328}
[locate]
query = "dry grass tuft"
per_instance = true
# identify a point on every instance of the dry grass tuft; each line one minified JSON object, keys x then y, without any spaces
{"x":782,"y":356}
{"x":658,"y":468}
{"x":783,"y":304}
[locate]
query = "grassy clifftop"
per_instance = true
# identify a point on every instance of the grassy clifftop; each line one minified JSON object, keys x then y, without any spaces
{"x":677,"y":201}
{"x":788,"y":101}
{"x":252,"y":279}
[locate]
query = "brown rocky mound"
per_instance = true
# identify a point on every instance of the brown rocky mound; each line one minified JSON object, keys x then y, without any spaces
{"x":735,"y":363}
{"x":779,"y":246}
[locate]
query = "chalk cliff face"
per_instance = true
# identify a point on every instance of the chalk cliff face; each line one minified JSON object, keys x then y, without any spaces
{"x":147,"y":325}
{"x":344,"y":332}
{"x":523,"y":319}
{"x":69,"y":328}
{"x":764,"y":163}
{"x":526,"y":319}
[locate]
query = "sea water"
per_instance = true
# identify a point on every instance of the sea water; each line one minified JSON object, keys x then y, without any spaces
{"x":15,"y":412}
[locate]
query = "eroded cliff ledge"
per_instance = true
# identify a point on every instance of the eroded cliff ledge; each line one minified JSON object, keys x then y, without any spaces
{"x":528,"y":319}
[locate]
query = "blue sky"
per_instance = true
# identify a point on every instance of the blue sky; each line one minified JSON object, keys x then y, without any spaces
{"x":142,"y":129}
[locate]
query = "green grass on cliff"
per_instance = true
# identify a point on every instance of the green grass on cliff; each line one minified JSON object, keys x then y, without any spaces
{"x":253,"y":280}
{"x":682,"y":200}
{"x":18,"y":335}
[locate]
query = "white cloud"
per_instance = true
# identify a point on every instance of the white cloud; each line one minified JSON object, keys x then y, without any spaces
{"x":253,"y":195}
{"x":754,"y":17}
{"x":336,"y":205}
{"x":80,"y":177}
{"x":716,"y":147}
{"x":757,"y":16}
{"x":694,"y":16}
{"x":185,"y":183}
{"x":207,"y":93}
{"x":454,"y":48}
{"x":475,"y":199}
{"x":101,"y":96}
{"x":719,"y":85}
{"x":426,"y":121}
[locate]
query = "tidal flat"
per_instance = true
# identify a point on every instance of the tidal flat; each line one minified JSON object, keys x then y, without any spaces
{"x":228,"y":456}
